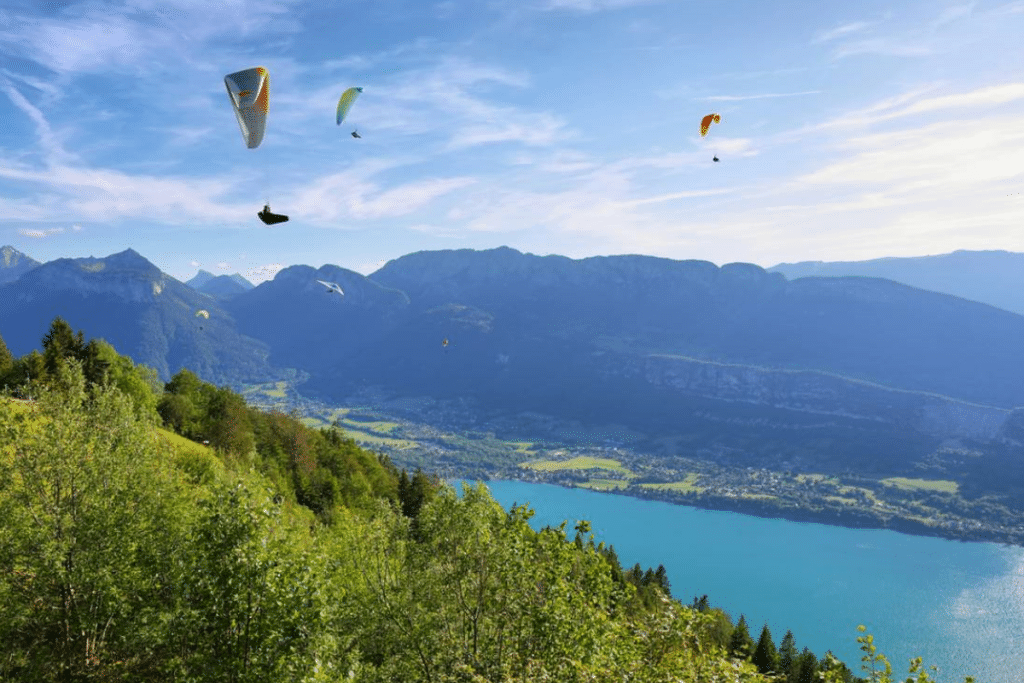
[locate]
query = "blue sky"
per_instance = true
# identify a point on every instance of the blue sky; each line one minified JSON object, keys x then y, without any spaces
{"x":849,"y":130}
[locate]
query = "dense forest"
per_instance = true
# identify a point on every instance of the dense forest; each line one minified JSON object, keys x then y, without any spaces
{"x":158,"y":531}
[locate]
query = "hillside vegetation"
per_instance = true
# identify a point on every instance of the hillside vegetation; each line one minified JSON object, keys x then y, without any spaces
{"x":283,"y":553}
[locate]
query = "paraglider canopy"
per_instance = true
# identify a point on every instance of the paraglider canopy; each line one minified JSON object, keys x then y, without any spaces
{"x":203,"y":314}
{"x":332,"y":287}
{"x":271,"y":218}
{"x":705,"y":123}
{"x":249,"y":91}
{"x":346,"y":101}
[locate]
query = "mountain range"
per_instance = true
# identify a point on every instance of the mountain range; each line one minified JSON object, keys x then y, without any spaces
{"x":736,"y":359}
{"x":14,"y":264}
{"x":991,"y":277}
{"x":144,"y":313}
{"x":219,"y":286}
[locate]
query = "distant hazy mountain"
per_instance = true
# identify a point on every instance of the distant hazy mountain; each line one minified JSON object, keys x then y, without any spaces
{"x":309,"y":328}
{"x":14,"y":264}
{"x":992,"y":277}
{"x":730,"y":360}
{"x":219,"y":286}
{"x":143,"y":312}
{"x":558,"y":313}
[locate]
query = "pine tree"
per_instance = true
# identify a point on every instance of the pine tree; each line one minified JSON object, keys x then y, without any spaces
{"x":808,"y":667}
{"x":741,"y":645}
{"x":766,"y":657}
{"x":60,"y":344}
{"x":661,"y":578}
{"x":787,"y":656}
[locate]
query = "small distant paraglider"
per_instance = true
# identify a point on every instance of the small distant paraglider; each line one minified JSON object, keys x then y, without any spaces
{"x":356,"y":134}
{"x":271,"y":218}
{"x":444,"y":343}
{"x":705,"y":123}
{"x":332,"y":287}
{"x":705,"y":126}
{"x":345,"y":103}
{"x":201,"y":313}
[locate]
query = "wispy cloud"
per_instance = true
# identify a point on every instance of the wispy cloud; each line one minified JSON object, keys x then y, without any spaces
{"x":951,"y":14}
{"x":593,"y":5}
{"x":351,"y":194}
{"x":912,"y":103}
{"x":259,"y":274}
{"x":889,"y":46}
{"x":50,"y":142}
{"x":841,"y":31}
{"x":762,"y":96}
{"x":39,"y":234}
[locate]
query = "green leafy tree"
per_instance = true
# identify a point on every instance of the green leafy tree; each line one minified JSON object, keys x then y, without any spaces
{"x":766,"y":657}
{"x":6,"y":360}
{"x":92,"y":515}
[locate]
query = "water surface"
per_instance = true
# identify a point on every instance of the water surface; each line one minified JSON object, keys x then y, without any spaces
{"x":958,"y":605}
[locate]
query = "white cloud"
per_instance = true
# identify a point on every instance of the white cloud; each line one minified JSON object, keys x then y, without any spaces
{"x":910,"y":103}
{"x":350,"y":194}
{"x":952,"y":13}
{"x":223,"y":265}
{"x":840,"y":31}
{"x":892,"y":47}
{"x":48,"y":140}
{"x":130,"y":35}
{"x":39,"y":234}
{"x":263,"y":273}
{"x":593,"y":5}
{"x":763,"y":96}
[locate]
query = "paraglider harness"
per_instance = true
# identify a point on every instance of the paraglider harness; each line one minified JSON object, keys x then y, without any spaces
{"x":271,"y":218}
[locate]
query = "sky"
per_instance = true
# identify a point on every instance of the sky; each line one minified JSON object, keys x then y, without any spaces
{"x":848,"y":131}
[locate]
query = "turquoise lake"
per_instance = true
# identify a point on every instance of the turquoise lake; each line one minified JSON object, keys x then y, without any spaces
{"x":958,"y":605}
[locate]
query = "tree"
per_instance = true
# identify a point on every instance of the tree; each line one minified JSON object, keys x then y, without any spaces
{"x":61,"y":343}
{"x":92,"y":517}
{"x":6,"y":359}
{"x":807,"y":667}
{"x":766,"y":657}
{"x":741,"y":645}
{"x":787,"y":655}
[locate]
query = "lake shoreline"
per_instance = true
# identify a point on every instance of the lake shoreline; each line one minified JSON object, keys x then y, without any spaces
{"x":848,"y":519}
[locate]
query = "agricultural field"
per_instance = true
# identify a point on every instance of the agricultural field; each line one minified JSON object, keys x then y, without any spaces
{"x":939,"y":485}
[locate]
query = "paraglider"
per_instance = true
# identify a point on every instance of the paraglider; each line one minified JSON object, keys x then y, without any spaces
{"x":705,"y":126}
{"x":249,"y":91}
{"x":356,"y":134}
{"x":345,"y":103}
{"x":202,"y":314}
{"x":444,"y":342}
{"x":332,"y":287}
{"x":705,"y":123}
{"x":271,"y":218}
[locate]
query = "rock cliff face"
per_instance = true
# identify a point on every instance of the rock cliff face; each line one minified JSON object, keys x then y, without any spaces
{"x":14,"y":264}
{"x":126,"y":275}
{"x":823,"y":394}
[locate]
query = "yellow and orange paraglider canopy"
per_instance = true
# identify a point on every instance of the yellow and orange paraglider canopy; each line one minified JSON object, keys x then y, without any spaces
{"x":705,"y":123}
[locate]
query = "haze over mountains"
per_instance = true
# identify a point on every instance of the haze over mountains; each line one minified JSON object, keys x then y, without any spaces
{"x":733,"y":357}
{"x":991,"y":277}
